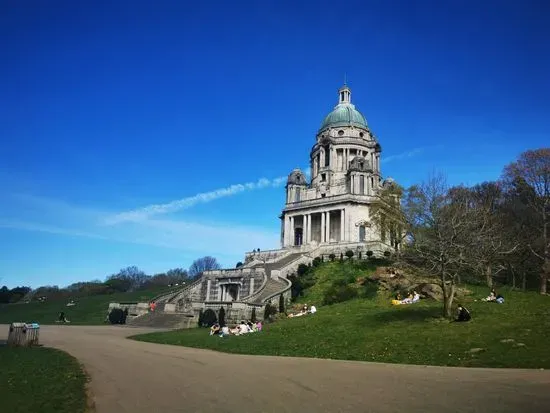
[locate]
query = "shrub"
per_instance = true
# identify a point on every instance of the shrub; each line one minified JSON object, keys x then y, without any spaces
{"x":370,"y":253}
{"x":339,"y":293}
{"x":332,"y":257}
{"x":316,"y":261}
{"x":349,"y":254}
{"x":269,"y":311}
{"x":209,"y":318}
{"x":201,"y":317}
{"x":253,"y":315}
{"x":116,"y":316}
{"x":387,"y":254}
{"x":221,"y":316}
{"x":297,"y":287}
{"x":302,"y":269}
{"x":281,"y":304}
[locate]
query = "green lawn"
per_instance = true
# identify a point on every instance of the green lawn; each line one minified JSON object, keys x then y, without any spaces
{"x":88,"y":311}
{"x":40,"y":379}
{"x":373,"y":330}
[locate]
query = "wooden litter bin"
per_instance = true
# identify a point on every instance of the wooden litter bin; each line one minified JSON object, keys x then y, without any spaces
{"x":23,"y":334}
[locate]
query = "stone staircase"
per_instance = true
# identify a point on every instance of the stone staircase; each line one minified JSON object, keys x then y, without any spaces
{"x":283,"y":262}
{"x":161,"y":319}
{"x":271,"y":287}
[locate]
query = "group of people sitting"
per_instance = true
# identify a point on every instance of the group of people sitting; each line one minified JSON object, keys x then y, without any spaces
{"x":305,"y":310}
{"x":412,"y":298}
{"x":494,"y":297}
{"x":243,"y":327}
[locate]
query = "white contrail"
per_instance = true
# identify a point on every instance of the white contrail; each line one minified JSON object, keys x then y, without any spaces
{"x":403,"y":155}
{"x":141,"y":214}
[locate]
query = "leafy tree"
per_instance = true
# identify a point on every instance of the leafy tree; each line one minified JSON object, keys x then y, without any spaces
{"x":388,"y":216}
{"x":201,"y":265}
{"x":349,"y":254}
{"x":281,"y":304}
{"x":531,"y":171}
{"x":370,"y":253}
{"x":221,"y":316}
{"x":332,"y":257}
{"x":269,"y":311}
{"x":201,"y":318}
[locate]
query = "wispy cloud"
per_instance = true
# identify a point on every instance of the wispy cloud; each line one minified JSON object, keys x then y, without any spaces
{"x":403,"y":155}
{"x":146,"y":212}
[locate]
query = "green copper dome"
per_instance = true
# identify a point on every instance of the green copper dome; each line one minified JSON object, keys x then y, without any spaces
{"x":344,"y":115}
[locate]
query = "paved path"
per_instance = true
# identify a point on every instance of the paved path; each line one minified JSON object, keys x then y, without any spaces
{"x":130,"y":376}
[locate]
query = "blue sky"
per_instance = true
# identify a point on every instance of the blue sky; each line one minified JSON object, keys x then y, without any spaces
{"x":107,"y":109}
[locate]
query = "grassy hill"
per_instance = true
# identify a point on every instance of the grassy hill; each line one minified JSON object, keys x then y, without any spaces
{"x":513,"y":334}
{"x":88,"y":310}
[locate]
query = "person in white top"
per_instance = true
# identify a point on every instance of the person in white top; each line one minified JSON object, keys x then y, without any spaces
{"x":312,"y":309}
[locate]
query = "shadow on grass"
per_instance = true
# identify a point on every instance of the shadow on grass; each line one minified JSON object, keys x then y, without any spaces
{"x":407,"y":313}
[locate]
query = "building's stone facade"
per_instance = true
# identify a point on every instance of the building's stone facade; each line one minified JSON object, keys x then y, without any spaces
{"x":334,"y":206}
{"x":330,"y":213}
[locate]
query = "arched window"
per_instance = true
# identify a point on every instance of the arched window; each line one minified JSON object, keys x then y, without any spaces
{"x":362,"y":233}
{"x":362,"y":185}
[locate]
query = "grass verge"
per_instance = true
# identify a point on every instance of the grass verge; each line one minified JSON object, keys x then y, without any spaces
{"x":514,"y":334}
{"x":88,"y":310}
{"x":40,"y":379}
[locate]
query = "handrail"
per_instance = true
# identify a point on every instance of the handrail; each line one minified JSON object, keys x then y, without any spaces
{"x":259,"y":290}
{"x":284,"y":290}
{"x":186,"y":288}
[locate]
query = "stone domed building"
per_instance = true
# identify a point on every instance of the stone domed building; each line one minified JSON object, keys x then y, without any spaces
{"x":331,"y":213}
{"x":333,"y":208}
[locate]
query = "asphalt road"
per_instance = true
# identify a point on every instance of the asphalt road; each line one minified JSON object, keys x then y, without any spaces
{"x":130,"y":376}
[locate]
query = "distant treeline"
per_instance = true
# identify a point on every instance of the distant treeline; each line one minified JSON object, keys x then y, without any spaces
{"x":127,"y":279}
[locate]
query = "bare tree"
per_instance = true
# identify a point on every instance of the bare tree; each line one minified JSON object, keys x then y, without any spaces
{"x":532,"y":172}
{"x":440,"y":226}
{"x":492,"y":241}
{"x":201,"y":265}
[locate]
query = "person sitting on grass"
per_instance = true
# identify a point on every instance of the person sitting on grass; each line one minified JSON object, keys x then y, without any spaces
{"x":416,"y":297}
{"x":463,"y":314}
{"x":408,"y":300}
{"x":492,"y":296}
{"x":312,"y":309}
{"x":259,"y":325}
{"x":215,"y":329}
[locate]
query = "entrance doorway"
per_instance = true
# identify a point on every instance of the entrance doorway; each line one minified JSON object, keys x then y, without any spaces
{"x":298,"y":236}
{"x":232,"y":292}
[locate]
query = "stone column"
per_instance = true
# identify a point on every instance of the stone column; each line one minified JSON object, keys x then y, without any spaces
{"x":291,"y":231}
{"x":323,"y":231}
{"x":287,"y":230}
{"x":221,"y":291}
{"x":208,"y":282}
{"x":327,"y":223}
{"x":342,"y":225}
{"x":304,"y":229}
{"x":308,"y":228}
